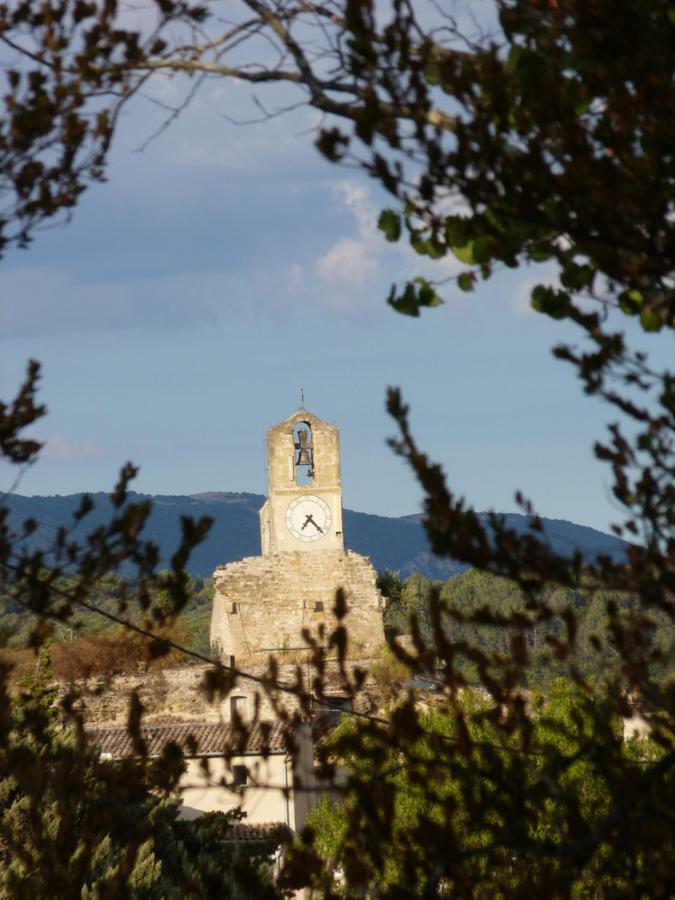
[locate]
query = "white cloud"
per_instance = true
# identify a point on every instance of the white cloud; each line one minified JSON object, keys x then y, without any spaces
{"x":59,"y":448}
{"x":357,"y":199}
{"x":348,"y":262}
{"x":355,"y":263}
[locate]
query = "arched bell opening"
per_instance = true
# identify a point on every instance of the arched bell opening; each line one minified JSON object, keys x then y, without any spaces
{"x":303,"y":454}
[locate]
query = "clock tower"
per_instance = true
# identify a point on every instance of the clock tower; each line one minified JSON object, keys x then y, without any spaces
{"x":270,"y":604}
{"x":303,"y":510}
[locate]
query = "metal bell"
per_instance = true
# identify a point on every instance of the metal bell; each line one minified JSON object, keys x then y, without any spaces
{"x":304,"y":448}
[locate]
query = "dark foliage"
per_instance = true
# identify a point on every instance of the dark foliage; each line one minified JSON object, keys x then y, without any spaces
{"x":545,"y":137}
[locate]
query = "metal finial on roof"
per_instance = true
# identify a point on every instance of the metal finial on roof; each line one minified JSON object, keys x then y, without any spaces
{"x":302,"y":398}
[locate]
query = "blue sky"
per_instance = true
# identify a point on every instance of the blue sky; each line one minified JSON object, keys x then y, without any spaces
{"x":224,"y":267}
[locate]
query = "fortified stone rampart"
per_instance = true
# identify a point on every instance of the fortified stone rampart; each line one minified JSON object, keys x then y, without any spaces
{"x":263,"y":603}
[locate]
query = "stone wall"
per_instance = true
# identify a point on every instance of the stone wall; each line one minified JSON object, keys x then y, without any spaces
{"x":178,"y":695}
{"x":263,"y":603}
{"x":167,"y":695}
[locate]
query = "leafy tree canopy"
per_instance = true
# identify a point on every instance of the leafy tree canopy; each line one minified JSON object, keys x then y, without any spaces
{"x":431,"y":787}
{"x":541,"y":135}
{"x":76,"y":825}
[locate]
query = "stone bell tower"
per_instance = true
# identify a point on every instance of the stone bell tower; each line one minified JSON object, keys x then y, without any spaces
{"x":263,"y":604}
{"x":303,"y":511}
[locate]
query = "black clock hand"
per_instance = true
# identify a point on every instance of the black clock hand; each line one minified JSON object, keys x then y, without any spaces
{"x":310,"y":518}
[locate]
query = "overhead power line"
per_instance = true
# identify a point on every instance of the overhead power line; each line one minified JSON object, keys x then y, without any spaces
{"x":259,"y":679}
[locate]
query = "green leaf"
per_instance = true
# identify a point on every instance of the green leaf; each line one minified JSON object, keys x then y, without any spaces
{"x":465,"y":281}
{"x":650,"y":320}
{"x":540,"y":251}
{"x":456,"y":228}
{"x":483,"y":249}
{"x":414,"y":296}
{"x":405,"y":303}
{"x":577,"y":277}
{"x":432,"y":72}
{"x":418,"y":242}
{"x":551,"y":302}
{"x":515,"y":56}
{"x":389,"y":224}
{"x":465,"y":254}
{"x":426,"y":295}
{"x":630,"y":302}
{"x":434,"y":249}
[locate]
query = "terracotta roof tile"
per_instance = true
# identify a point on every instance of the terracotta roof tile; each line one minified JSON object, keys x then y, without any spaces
{"x":194,"y":739}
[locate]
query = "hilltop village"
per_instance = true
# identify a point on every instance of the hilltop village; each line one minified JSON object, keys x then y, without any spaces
{"x":281,"y":604}
{"x":251,"y":735}
{"x":259,"y":730}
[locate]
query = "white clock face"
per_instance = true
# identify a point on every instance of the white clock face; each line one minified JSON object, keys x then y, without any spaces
{"x":308,"y":518}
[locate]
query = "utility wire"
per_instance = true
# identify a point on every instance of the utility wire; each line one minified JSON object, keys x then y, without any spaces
{"x":257,"y":679}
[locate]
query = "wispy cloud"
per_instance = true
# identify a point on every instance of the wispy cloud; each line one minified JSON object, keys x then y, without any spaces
{"x":357,"y":268}
{"x":350,"y":268}
{"x":348,"y":263}
{"x":60,"y":448}
{"x":352,"y":262}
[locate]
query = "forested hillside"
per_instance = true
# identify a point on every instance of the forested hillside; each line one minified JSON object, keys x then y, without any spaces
{"x":91,"y":646}
{"x":399,"y":544}
{"x":398,"y":548}
{"x":471,"y":598}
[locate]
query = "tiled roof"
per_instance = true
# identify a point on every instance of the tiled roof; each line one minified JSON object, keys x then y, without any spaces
{"x":268,"y":831}
{"x":194,"y":739}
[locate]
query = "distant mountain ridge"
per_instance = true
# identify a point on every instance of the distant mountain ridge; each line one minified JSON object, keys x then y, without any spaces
{"x":391,"y":543}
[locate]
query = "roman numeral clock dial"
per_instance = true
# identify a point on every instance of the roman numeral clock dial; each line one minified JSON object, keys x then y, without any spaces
{"x":308,"y":518}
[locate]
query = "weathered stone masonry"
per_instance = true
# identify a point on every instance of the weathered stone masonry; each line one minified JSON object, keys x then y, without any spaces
{"x":263,"y":603}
